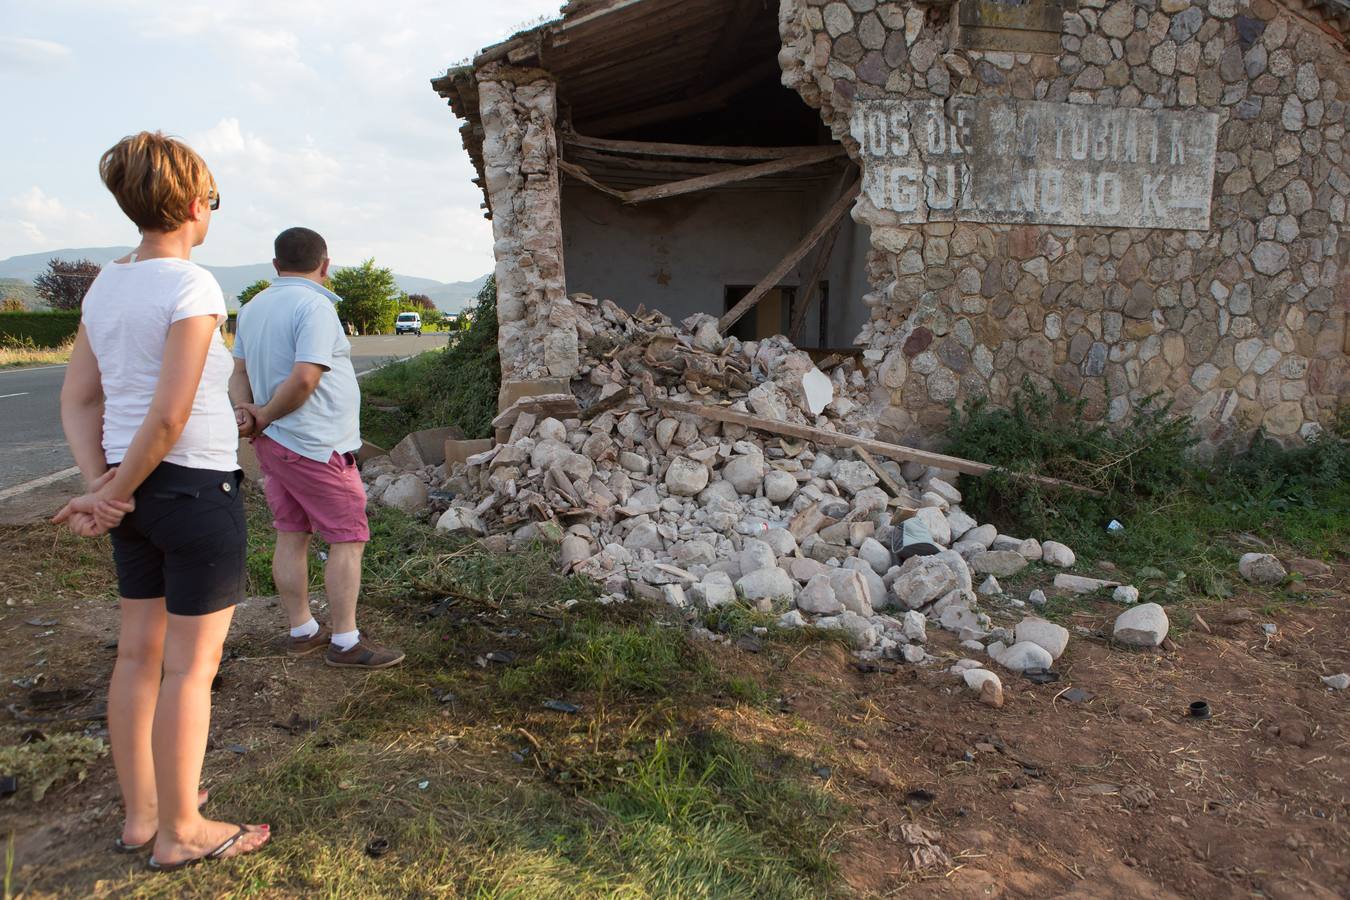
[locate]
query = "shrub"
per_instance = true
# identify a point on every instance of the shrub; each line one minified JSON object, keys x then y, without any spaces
{"x":13,"y":304}
{"x":253,"y":290}
{"x":1038,"y":434}
{"x":370,"y":297}
{"x":43,"y":329}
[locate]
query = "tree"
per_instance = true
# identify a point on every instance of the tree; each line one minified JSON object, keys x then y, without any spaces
{"x":64,"y":284}
{"x":418,"y":303}
{"x":370,"y":297}
{"x":253,"y":290}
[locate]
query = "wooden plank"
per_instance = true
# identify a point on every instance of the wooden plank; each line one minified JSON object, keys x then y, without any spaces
{"x":682,"y":108}
{"x":732,"y":176}
{"x":903,"y":512}
{"x":787,"y":263}
{"x":689,"y":151}
{"x":834,"y":438}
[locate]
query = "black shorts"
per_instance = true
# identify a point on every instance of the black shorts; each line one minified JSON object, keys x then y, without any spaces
{"x":185,"y":541}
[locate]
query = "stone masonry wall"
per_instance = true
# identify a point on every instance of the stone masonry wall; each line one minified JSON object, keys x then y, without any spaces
{"x":537,"y":334}
{"x":1242,"y":325}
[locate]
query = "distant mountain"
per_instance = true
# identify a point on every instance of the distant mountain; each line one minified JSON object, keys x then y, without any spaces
{"x":448,"y":296}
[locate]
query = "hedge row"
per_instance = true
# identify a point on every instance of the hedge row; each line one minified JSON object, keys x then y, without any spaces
{"x":44,"y":329}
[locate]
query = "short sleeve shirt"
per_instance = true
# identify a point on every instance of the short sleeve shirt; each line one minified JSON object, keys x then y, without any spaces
{"x":295,"y":320}
{"x":127,"y":314}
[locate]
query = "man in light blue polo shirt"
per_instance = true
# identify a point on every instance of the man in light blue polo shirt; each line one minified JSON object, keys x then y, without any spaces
{"x":296,"y":394}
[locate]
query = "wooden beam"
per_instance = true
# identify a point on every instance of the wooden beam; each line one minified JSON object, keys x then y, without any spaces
{"x":898,"y":493}
{"x":690,"y":151}
{"x":584,"y":177}
{"x":795,"y":255}
{"x":734,"y":175}
{"x":834,"y":438}
{"x":678,"y":109}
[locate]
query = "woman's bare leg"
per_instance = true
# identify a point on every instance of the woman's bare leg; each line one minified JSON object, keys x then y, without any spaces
{"x":192,"y":651}
{"x":131,"y":712}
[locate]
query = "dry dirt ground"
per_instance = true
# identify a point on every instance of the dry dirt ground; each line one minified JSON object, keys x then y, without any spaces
{"x":1106,"y":791}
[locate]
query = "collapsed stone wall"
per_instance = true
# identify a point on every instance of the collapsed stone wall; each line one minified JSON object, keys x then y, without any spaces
{"x":536,"y":334}
{"x":1241,"y":325}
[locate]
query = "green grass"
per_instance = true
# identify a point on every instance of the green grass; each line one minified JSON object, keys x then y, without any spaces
{"x":1187,"y":521}
{"x":457,"y":386}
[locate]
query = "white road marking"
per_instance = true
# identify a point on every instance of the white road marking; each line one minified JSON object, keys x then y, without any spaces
{"x":7,"y":396}
{"x":38,"y":482}
{"x":30,"y":369}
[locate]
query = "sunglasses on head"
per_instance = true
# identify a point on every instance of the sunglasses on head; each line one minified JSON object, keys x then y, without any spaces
{"x":213,"y":200}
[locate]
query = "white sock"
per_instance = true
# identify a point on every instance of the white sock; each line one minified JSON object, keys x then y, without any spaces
{"x":347,"y":640}
{"x":307,"y":630}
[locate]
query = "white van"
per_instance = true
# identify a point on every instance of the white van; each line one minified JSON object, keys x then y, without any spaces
{"x":408,"y":322}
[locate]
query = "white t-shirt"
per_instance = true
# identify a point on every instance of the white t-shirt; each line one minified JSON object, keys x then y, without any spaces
{"x":126,"y":315}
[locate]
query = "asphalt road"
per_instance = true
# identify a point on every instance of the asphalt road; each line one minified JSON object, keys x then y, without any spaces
{"x":32,"y":444}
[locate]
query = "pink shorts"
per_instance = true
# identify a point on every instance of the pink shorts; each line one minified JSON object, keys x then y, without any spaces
{"x":327,"y":499}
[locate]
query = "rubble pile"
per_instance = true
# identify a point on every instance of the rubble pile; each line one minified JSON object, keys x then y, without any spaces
{"x":699,"y":513}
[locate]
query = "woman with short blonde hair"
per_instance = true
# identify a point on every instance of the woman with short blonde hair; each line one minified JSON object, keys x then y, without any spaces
{"x":148,"y":418}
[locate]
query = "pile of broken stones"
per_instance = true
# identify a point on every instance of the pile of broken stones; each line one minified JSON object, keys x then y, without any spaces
{"x":700,"y":513}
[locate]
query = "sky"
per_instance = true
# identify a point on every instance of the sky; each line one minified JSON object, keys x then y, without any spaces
{"x":308,"y":113}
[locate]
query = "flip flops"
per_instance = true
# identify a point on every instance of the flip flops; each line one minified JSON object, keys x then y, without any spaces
{"x":218,"y":853}
{"x":121,"y":846}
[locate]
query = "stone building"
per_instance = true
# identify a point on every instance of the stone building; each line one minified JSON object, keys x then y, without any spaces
{"x":1123,"y":198}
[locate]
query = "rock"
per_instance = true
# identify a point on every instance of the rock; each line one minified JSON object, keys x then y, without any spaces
{"x":877,"y":595}
{"x":805,"y":569}
{"x":913,"y":653}
{"x":456,"y":520}
{"x":767,"y":584}
{"x":1310,"y":568}
{"x":1141,"y":626}
{"x":548,"y":452}
{"x":818,"y":597}
{"x":1021,"y":656}
{"x":875,"y":555}
{"x":1127,"y":594}
{"x":636,"y":463}
{"x":959,"y":567}
{"x":781,"y":540}
{"x":852,"y":476}
{"x":1037,"y":598}
{"x":1053,"y":553}
{"x":718,"y":490}
{"x":944,"y":490}
{"x":745,"y":473}
{"x":1054,"y":638}
{"x":986,"y":684}
{"x":928,"y":579}
{"x":1077,"y":584}
{"x":715,"y":590}
{"x":1337,"y":682}
{"x":791,"y":619}
{"x":851,"y":590}
{"x":755,"y":555}
{"x":998,"y":562}
{"x":673,"y":595}
{"x":915,"y":627}
{"x":983,"y":535}
{"x":686,"y":477}
{"x":695,"y":553}
{"x":407,"y":493}
{"x":959,"y":523}
{"x":644,"y":536}
{"x":864,"y":634}
{"x":936,"y":522}
{"x":1261,"y":568}
{"x":779,"y":486}
{"x":574,"y":549}
{"x":707,"y":336}
{"x":1030,"y":550}
{"x":990,"y":587}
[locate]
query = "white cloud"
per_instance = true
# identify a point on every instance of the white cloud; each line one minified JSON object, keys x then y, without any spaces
{"x":23,"y":54}
{"x":40,"y":218}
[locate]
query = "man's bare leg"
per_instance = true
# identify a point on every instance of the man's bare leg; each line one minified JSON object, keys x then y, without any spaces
{"x":342,"y":580}
{"x":290,"y":571}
